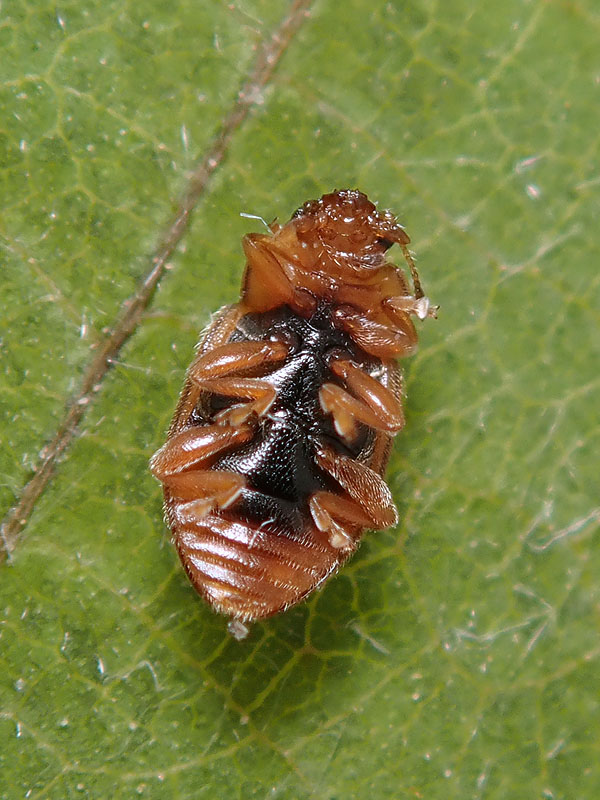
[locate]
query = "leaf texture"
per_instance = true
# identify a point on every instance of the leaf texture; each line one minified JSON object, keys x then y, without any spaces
{"x":456,"y":656}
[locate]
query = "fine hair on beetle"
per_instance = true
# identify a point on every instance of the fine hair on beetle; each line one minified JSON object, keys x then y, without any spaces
{"x":273,"y":465}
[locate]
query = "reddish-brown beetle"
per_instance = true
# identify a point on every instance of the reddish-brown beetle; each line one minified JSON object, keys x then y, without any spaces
{"x":273,"y":462}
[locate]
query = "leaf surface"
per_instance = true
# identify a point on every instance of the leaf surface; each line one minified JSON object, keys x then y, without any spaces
{"x":454,"y":657}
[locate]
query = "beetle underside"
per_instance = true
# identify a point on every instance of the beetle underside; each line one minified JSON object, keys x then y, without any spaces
{"x":273,"y":465}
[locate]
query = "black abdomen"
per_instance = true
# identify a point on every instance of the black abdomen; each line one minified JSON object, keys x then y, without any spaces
{"x":279,"y":462}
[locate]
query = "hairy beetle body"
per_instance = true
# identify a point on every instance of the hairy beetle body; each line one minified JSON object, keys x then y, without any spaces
{"x":273,"y":464}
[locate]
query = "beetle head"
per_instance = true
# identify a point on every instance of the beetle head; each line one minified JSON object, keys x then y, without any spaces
{"x":348,"y":226}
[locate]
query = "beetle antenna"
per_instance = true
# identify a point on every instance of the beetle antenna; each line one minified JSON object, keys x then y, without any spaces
{"x":256,"y":216}
{"x":413,"y":272}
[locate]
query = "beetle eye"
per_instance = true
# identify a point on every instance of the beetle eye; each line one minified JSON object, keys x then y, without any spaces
{"x":385,"y":243}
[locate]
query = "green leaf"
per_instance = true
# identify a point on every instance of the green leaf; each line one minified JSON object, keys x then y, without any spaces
{"x":454,"y":657}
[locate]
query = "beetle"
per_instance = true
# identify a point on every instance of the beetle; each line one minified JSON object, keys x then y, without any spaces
{"x":272,"y":468}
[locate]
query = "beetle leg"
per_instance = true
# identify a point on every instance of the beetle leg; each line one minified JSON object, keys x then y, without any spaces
{"x":218,"y":371}
{"x":376,"y":408}
{"x":339,"y":517}
{"x":218,"y":332}
{"x":264,"y":282}
{"x":196,"y":447}
{"x":363,"y":485}
{"x":379,"y":340}
{"x":202,"y":491}
{"x":234,"y":358}
{"x":267,"y":283}
{"x":379,"y":407}
{"x":181,"y":466}
{"x":346,"y":411}
{"x":260,"y":394}
{"x":343,"y":409}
